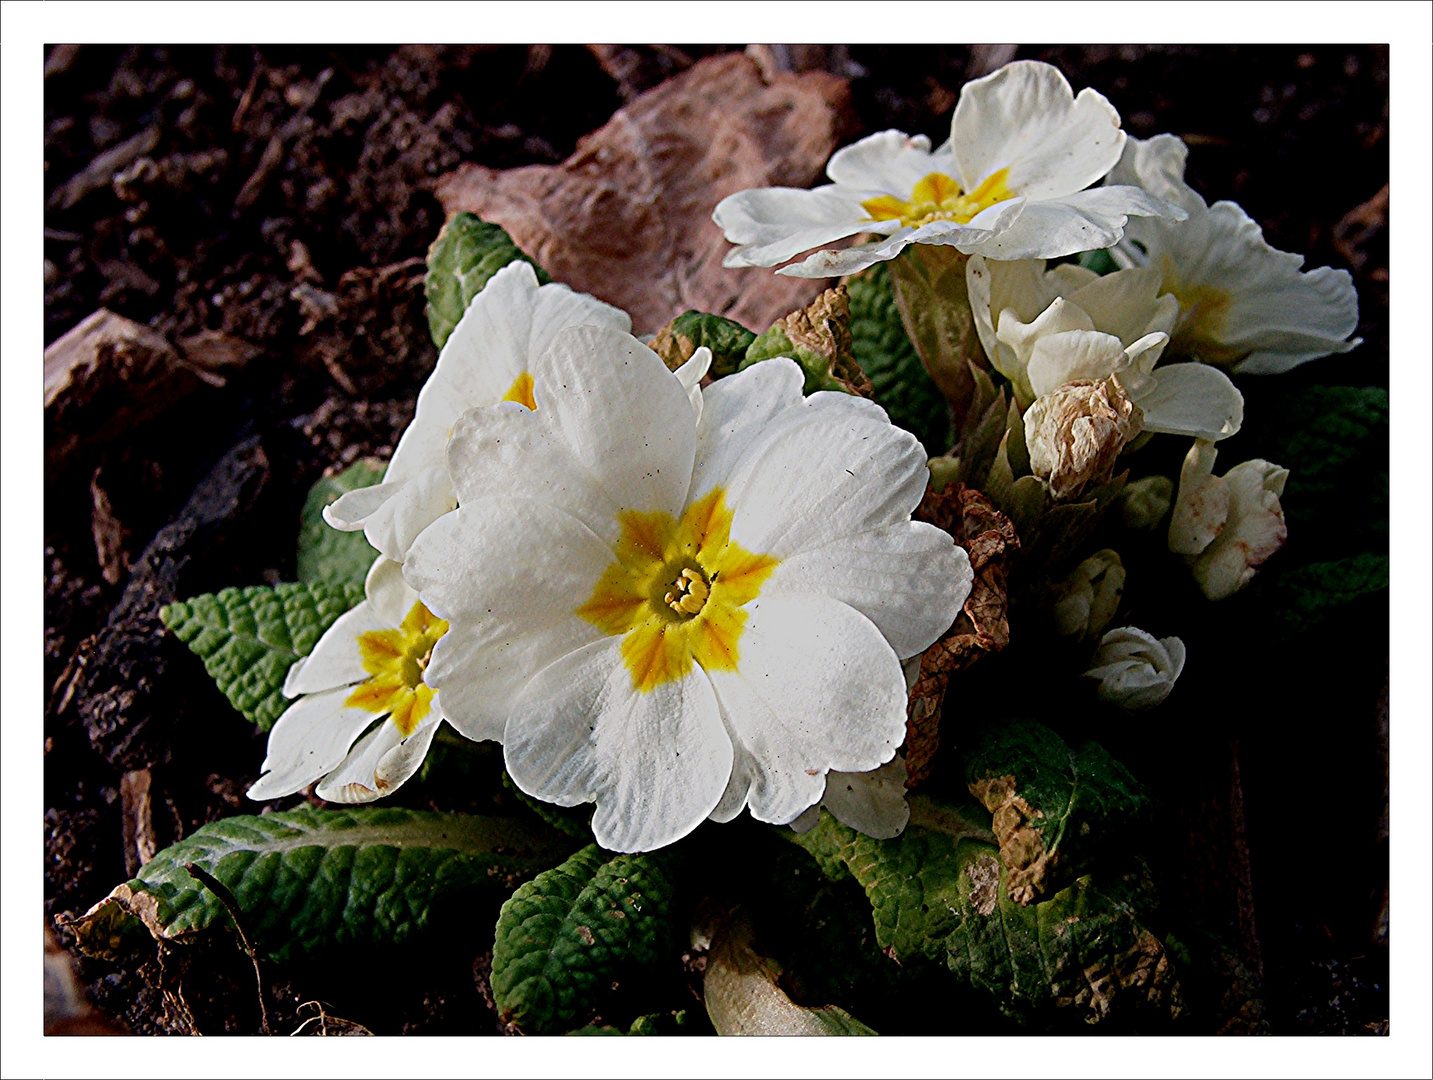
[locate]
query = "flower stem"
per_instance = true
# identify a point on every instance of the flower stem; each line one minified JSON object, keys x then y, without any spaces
{"x":930,"y":290}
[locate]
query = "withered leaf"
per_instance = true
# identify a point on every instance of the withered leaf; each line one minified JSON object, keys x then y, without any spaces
{"x":988,"y":537}
{"x":627,"y":218}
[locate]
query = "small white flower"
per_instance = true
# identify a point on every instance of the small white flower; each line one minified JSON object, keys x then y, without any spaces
{"x":1012,"y":182}
{"x":1086,"y":601}
{"x":1043,"y":329}
{"x":1242,"y":304}
{"x":873,"y":803}
{"x":1227,"y":526}
{"x":1134,"y":669}
{"x":678,"y":617}
{"x":486,"y":359}
{"x":364,"y":675}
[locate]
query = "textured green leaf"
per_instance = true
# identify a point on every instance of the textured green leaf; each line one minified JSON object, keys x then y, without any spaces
{"x":467,"y":252}
{"x":249,"y":638}
{"x":1308,"y":597}
{"x":692,"y":330}
{"x":326,"y":555}
{"x":1099,"y":260}
{"x":1334,"y":442}
{"x":307,"y":879}
{"x":575,"y":821}
{"x":818,"y":337}
{"x":938,"y":894}
{"x":899,"y":379}
{"x":568,"y":934}
{"x":1053,"y":803}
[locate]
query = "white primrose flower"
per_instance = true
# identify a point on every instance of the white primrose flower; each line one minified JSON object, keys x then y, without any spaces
{"x":1135,"y":670}
{"x":873,"y":802}
{"x":1042,"y":329}
{"x":365,"y":675}
{"x":1242,"y":304}
{"x":486,"y":359}
{"x":1012,"y":182}
{"x":1227,"y":526}
{"x":678,"y":616}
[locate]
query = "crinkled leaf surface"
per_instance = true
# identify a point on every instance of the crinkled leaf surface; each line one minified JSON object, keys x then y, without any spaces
{"x":249,"y":638}
{"x":568,"y":934}
{"x":1307,"y":597}
{"x":466,"y":254}
{"x":938,"y":894}
{"x":679,"y":339}
{"x":900,"y":381}
{"x":1053,"y":803}
{"x":307,"y":879}
{"x":327,"y":556}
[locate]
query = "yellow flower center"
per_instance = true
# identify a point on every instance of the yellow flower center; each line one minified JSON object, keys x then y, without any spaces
{"x":397,"y":659}
{"x":675,"y":592}
{"x":521,"y":391}
{"x":939,"y":198}
{"x":1202,"y":309}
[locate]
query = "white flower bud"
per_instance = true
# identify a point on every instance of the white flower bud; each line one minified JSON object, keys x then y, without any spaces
{"x":1136,"y":670}
{"x":1090,"y":596}
{"x":1144,"y":503}
{"x":1227,"y":526}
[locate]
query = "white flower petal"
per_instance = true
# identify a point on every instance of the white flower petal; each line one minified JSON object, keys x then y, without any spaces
{"x":351,"y":510}
{"x":1026,"y":118}
{"x":835,"y":468}
{"x":656,"y":763}
{"x":817,"y":688}
{"x":335,"y":660}
{"x":908,"y":578}
{"x":1080,"y":222}
{"x":627,"y":421}
{"x":1127,"y":304}
{"x":1157,"y":165}
{"x":391,"y":597}
{"x":514,"y":614}
{"x":737,"y":412}
{"x":1192,"y":399}
{"x":690,"y":376}
{"x":1201,"y":508}
{"x":1134,"y":669}
{"x":772,"y":225}
{"x":310,"y":738}
{"x":1254,"y":530}
{"x":888,"y":163}
{"x":408,"y":509}
{"x":853,"y":259}
{"x":380,"y":763}
{"x":1073,"y":356}
{"x":873,"y":803}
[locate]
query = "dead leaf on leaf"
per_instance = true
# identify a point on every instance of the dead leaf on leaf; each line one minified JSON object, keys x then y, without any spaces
{"x":627,"y":218}
{"x":989,"y":539}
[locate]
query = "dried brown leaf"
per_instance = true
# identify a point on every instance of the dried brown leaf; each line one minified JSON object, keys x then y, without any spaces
{"x":627,"y":218}
{"x":989,"y":539}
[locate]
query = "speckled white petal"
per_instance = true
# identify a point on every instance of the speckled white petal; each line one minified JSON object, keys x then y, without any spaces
{"x":656,"y":763}
{"x":1085,"y":220}
{"x":1026,"y":118}
{"x":873,"y":803}
{"x":737,"y":411}
{"x":887,"y":163}
{"x":335,"y":660}
{"x":771,"y":225}
{"x":908,"y":578}
{"x":817,"y":688}
{"x":310,"y":739}
{"x":690,"y":376}
{"x":391,"y":597}
{"x":380,"y":763}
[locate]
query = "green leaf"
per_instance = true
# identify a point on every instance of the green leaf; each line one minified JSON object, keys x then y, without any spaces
{"x":573,"y":930}
{"x":692,"y":330}
{"x":249,"y":638}
{"x":818,"y":337}
{"x":881,"y":346}
{"x":467,"y":252}
{"x":939,"y":894}
{"x":1306,"y":598}
{"x":308,"y":879}
{"x":1053,"y":803}
{"x":1099,"y":260}
{"x":326,"y":555}
{"x":1334,"y":442}
{"x":575,"y":821}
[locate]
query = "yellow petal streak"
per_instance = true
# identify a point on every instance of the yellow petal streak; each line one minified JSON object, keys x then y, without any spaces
{"x":939,"y":198}
{"x":397,"y":659}
{"x":1202,"y":310}
{"x":521,"y":391}
{"x":675,"y":592}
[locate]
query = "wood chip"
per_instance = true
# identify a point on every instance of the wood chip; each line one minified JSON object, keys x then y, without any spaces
{"x":100,"y":172}
{"x":627,"y":218}
{"x":138,"y":820}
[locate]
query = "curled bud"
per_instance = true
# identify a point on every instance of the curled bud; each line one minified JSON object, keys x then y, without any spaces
{"x":1075,"y":432}
{"x":1144,"y":502}
{"x":1227,"y":526}
{"x":1135,"y":670}
{"x":1087,"y":600}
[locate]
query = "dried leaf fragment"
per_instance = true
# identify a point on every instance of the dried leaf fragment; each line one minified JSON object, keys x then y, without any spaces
{"x":627,"y":218}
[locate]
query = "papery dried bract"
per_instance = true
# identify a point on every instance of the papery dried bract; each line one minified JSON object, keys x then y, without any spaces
{"x":1075,"y":433}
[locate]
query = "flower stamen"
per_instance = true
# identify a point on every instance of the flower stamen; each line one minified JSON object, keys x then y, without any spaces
{"x":938,"y":197}
{"x":689,"y":593}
